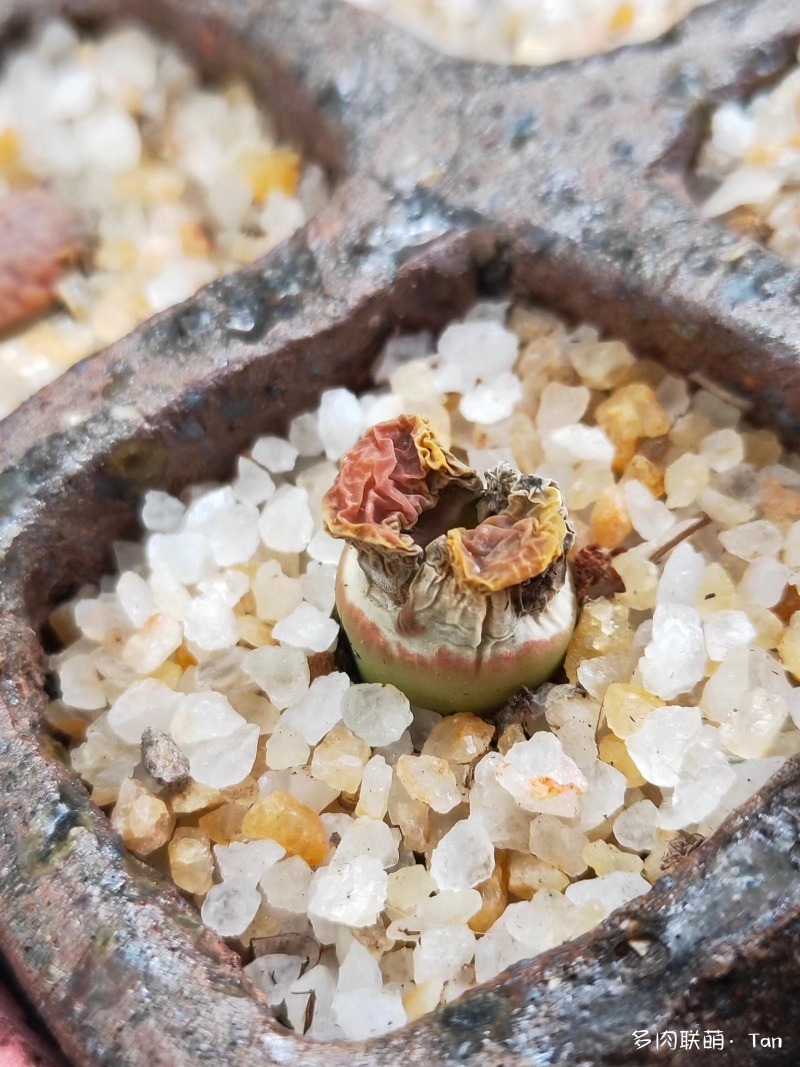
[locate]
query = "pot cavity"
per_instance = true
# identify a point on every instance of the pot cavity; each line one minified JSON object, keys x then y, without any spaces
{"x":527,"y":32}
{"x":126,"y":184}
{"x":752,"y":157}
{"x":372,"y":860}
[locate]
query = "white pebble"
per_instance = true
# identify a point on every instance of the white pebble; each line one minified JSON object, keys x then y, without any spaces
{"x":282,"y":673}
{"x":658,"y":747}
{"x":378,"y":714}
{"x":287,"y":524}
{"x":225,"y":761}
{"x":277,"y":455}
{"x":726,"y":630}
{"x":541,"y":777}
{"x":351,"y":893}
{"x":611,"y":890}
{"x":229,"y":908}
{"x":319,"y":709}
{"x":650,"y":518}
{"x":340,"y":421}
{"x":247,"y":861}
{"x":147,"y":703}
{"x":80,"y":684}
{"x":674,"y":660}
{"x":253,"y":484}
{"x":203,"y":716}
{"x":493,"y":401}
{"x":307,"y":628}
{"x":464,"y":857}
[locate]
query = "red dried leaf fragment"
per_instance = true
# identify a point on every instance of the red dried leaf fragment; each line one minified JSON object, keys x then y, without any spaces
{"x":40,"y":238}
{"x":392,"y":474}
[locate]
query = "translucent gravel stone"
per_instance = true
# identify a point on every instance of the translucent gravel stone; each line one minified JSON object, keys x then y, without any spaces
{"x":224,"y":761}
{"x":626,"y":706}
{"x":340,"y":759}
{"x":351,"y":893}
{"x":528,"y":874}
{"x":318,"y":586}
{"x":253,"y":485}
{"x":363,"y":1014}
{"x":749,"y":776}
{"x":408,"y":887}
{"x":580,"y":443}
{"x":430,"y":781}
{"x":447,"y":908}
{"x":442,"y":952}
{"x":507,"y":824}
{"x":274,"y":974}
{"x":541,"y":777}
{"x":282,"y":673}
{"x":285,"y":819}
{"x":100,"y":618}
{"x":493,"y":401}
{"x":340,"y":421}
{"x":325,"y":549}
{"x":186,"y":556}
{"x":724,"y":509}
{"x":304,"y":435}
{"x":705,"y":778}
{"x":229,"y":908}
{"x":723,"y":449}
{"x":558,"y":843}
{"x":286,"y":749}
{"x":368,"y":837}
{"x":459,"y":738}
{"x":80,"y":684}
{"x":610,"y":890}
{"x":561,"y":405}
{"x":135,"y":597}
{"x":753,"y":539}
{"x":791,"y":548}
{"x":674,"y":660}
{"x":247,"y":861}
{"x":319,"y":709}
{"x":605,"y":794}
{"x":203,"y":716}
{"x":191,"y":863}
{"x":462,"y":349}
{"x":750,"y":697}
{"x":746,"y":185}
{"x":233,"y":534}
{"x":275,"y":454}
{"x":650,"y":517}
{"x":147,"y":703}
{"x":684,"y":479}
{"x":285,"y":884}
{"x":359,"y":970}
{"x":301,"y":784}
{"x":573,"y":719}
{"x":601,"y":366}
{"x":287,"y":524}
{"x":308,"y":628}
{"x":150,"y":646}
{"x":682,"y":576}
{"x":764,"y":582}
{"x":640,"y":577}
{"x":376,"y":713}
{"x":659,"y":746}
{"x":143,"y":821}
{"x":635,"y":827}
{"x":373,"y":797}
{"x":464,"y":857}
{"x":547,"y":920}
{"x":726,"y":630}
{"x":210,"y":623}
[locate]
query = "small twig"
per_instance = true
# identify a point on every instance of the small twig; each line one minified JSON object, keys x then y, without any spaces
{"x":658,"y":553}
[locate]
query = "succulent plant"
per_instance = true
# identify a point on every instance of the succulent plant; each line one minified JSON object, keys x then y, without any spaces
{"x":454,"y":589}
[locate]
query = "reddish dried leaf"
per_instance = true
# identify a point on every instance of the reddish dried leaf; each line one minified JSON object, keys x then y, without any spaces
{"x":40,"y":238}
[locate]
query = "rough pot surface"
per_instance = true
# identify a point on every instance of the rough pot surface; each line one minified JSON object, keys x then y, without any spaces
{"x":563,"y":184}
